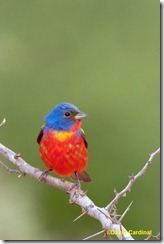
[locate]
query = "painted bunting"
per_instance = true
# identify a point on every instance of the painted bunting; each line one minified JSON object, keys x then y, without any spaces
{"x":63,"y":144}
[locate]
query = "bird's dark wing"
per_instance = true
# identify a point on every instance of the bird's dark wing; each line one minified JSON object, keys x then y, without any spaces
{"x":40,"y":135}
{"x":84,"y":137}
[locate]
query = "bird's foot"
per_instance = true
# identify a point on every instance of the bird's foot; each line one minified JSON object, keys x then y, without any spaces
{"x":76,"y":187}
{"x":78,"y":184}
{"x":63,"y":180}
{"x":43,"y":175}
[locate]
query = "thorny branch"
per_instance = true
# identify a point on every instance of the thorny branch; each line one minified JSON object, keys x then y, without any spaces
{"x":77,"y":196}
{"x":133,"y":178}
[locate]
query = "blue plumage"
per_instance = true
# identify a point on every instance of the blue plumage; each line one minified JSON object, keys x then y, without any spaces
{"x":57,"y":118}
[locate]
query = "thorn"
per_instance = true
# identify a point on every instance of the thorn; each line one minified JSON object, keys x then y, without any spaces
{"x":126,"y":210}
{"x":96,"y":234}
{"x":17,"y":155}
{"x":115,"y":192}
{"x":131,"y":177}
{"x":85,"y":211}
{"x":21,"y":174}
{"x":3,"y":122}
{"x":71,"y":202}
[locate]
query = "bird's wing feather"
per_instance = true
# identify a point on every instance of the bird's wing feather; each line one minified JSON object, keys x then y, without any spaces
{"x":84,"y":137}
{"x":40,"y":135}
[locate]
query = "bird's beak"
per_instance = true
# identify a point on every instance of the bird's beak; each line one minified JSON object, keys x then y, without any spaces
{"x":80,"y":116}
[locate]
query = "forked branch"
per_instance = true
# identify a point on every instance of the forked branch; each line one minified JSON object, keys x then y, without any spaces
{"x":133,"y":178}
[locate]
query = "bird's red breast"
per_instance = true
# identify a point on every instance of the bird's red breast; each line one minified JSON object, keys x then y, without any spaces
{"x":64,"y":152}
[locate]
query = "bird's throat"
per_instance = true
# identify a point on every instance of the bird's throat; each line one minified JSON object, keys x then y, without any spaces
{"x":76,"y":125}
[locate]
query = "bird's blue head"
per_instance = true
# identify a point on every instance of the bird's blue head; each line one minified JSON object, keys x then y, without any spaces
{"x":63,"y":117}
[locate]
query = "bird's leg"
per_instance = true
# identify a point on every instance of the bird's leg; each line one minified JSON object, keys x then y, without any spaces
{"x":43,"y":175}
{"x":78,"y":181}
{"x":77,"y":185}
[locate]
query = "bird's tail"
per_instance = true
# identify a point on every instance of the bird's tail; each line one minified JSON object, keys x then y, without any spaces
{"x":82,"y":176}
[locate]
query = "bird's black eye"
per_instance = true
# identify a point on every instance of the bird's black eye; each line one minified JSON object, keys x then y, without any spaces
{"x":67,"y":114}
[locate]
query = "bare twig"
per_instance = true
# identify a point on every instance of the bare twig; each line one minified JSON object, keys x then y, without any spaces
{"x":133,"y":178}
{"x":10,"y":170}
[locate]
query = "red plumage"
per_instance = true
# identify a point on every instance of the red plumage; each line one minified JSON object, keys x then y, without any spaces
{"x":64,"y":157}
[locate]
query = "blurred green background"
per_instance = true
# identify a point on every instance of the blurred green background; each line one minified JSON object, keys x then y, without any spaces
{"x":103,"y":56}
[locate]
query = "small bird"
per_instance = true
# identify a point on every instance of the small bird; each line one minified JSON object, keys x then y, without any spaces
{"x":63,"y":144}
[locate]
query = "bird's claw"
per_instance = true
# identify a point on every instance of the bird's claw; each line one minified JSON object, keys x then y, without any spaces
{"x":76,"y":186}
{"x":43,"y":175}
